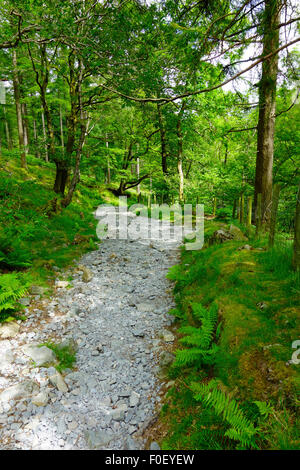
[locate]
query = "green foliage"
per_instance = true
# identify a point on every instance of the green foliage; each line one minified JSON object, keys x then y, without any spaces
{"x":241,"y":429}
{"x":199,"y":339}
{"x":12,"y":251}
{"x":12,"y":288}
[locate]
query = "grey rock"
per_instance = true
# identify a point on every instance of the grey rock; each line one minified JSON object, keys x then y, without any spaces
{"x":6,"y":359}
{"x":154,"y":446}
{"x":36,"y":290}
{"x":98,"y":439}
{"x":24,"y":301}
{"x":168,"y":336}
{"x":138,"y":333}
{"x":17,"y":392}
{"x":57,"y":381}
{"x":62,"y":284}
{"x":131,"y":444}
{"x":166,"y":358}
{"x":134,"y":399}
{"x":125,"y":393}
{"x":87,"y":275}
{"x":71,"y":344}
{"x":220,"y":236}
{"x":9,"y":330}
{"x":41,"y":399}
{"x":41,"y":355}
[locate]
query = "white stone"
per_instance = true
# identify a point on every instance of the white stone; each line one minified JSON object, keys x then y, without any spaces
{"x":62,"y":284}
{"x":9,"y":330}
{"x":57,"y":381}
{"x":41,"y":355}
{"x":41,"y":399}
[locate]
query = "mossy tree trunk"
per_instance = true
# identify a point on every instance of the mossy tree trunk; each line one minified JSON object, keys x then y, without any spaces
{"x":17,"y":95}
{"x":267,"y":105}
{"x":180,"y":153}
{"x":163,"y":141}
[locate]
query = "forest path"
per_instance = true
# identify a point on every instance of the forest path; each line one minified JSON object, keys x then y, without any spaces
{"x":119,"y":320}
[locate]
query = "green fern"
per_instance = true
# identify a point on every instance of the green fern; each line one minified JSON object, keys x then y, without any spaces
{"x":199,"y":339}
{"x":12,"y":288}
{"x":12,"y":252}
{"x":189,"y":357}
{"x":265,"y":409}
{"x":241,"y":430}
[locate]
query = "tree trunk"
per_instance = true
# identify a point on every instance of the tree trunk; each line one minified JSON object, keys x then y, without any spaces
{"x":249,"y":213}
{"x":76,"y":103}
{"x":76,"y":175}
{"x":35,"y":137}
{"x":138,"y":188}
{"x":61,"y":129}
{"x":181,"y":177}
{"x":180,"y":154}
{"x":25,"y":128}
{"x":296,"y":254}
{"x":7,"y":131}
{"x":61,"y":177}
{"x":267,"y":105}
{"x":45,"y":138}
{"x":108,"y":180}
{"x":234,"y":209}
{"x":163,"y":141}
{"x":16,"y":85}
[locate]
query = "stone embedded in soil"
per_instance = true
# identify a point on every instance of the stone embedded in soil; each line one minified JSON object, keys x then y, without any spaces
{"x":9,"y":330}
{"x":57,"y":381}
{"x":41,"y":399}
{"x":41,"y":355}
{"x":19,"y":391}
{"x":98,"y":439}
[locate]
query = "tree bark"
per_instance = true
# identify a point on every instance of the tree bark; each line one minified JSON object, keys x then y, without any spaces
{"x":25,"y":128}
{"x":35,"y":137}
{"x":61,"y":129}
{"x":17,"y":95}
{"x":7,"y":131}
{"x":267,"y":105}
{"x":45,"y":137}
{"x":163,"y":141}
{"x":75,"y":98}
{"x":180,"y":154}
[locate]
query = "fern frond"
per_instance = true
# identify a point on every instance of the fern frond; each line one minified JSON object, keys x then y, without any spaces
{"x":12,"y":288}
{"x":241,"y":429}
{"x":188,"y":357}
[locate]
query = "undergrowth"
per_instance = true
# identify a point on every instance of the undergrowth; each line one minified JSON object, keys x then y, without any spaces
{"x":235,"y":387}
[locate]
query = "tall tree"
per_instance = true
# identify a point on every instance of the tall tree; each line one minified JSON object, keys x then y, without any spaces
{"x":267,"y":109}
{"x":17,"y":95}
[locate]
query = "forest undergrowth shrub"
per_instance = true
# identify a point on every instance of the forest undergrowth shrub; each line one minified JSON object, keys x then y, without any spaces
{"x":12,"y":288}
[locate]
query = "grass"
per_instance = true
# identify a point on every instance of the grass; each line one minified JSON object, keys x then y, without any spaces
{"x":257,"y":294}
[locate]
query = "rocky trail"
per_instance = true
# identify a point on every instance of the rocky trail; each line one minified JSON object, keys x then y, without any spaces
{"x":115,"y":312}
